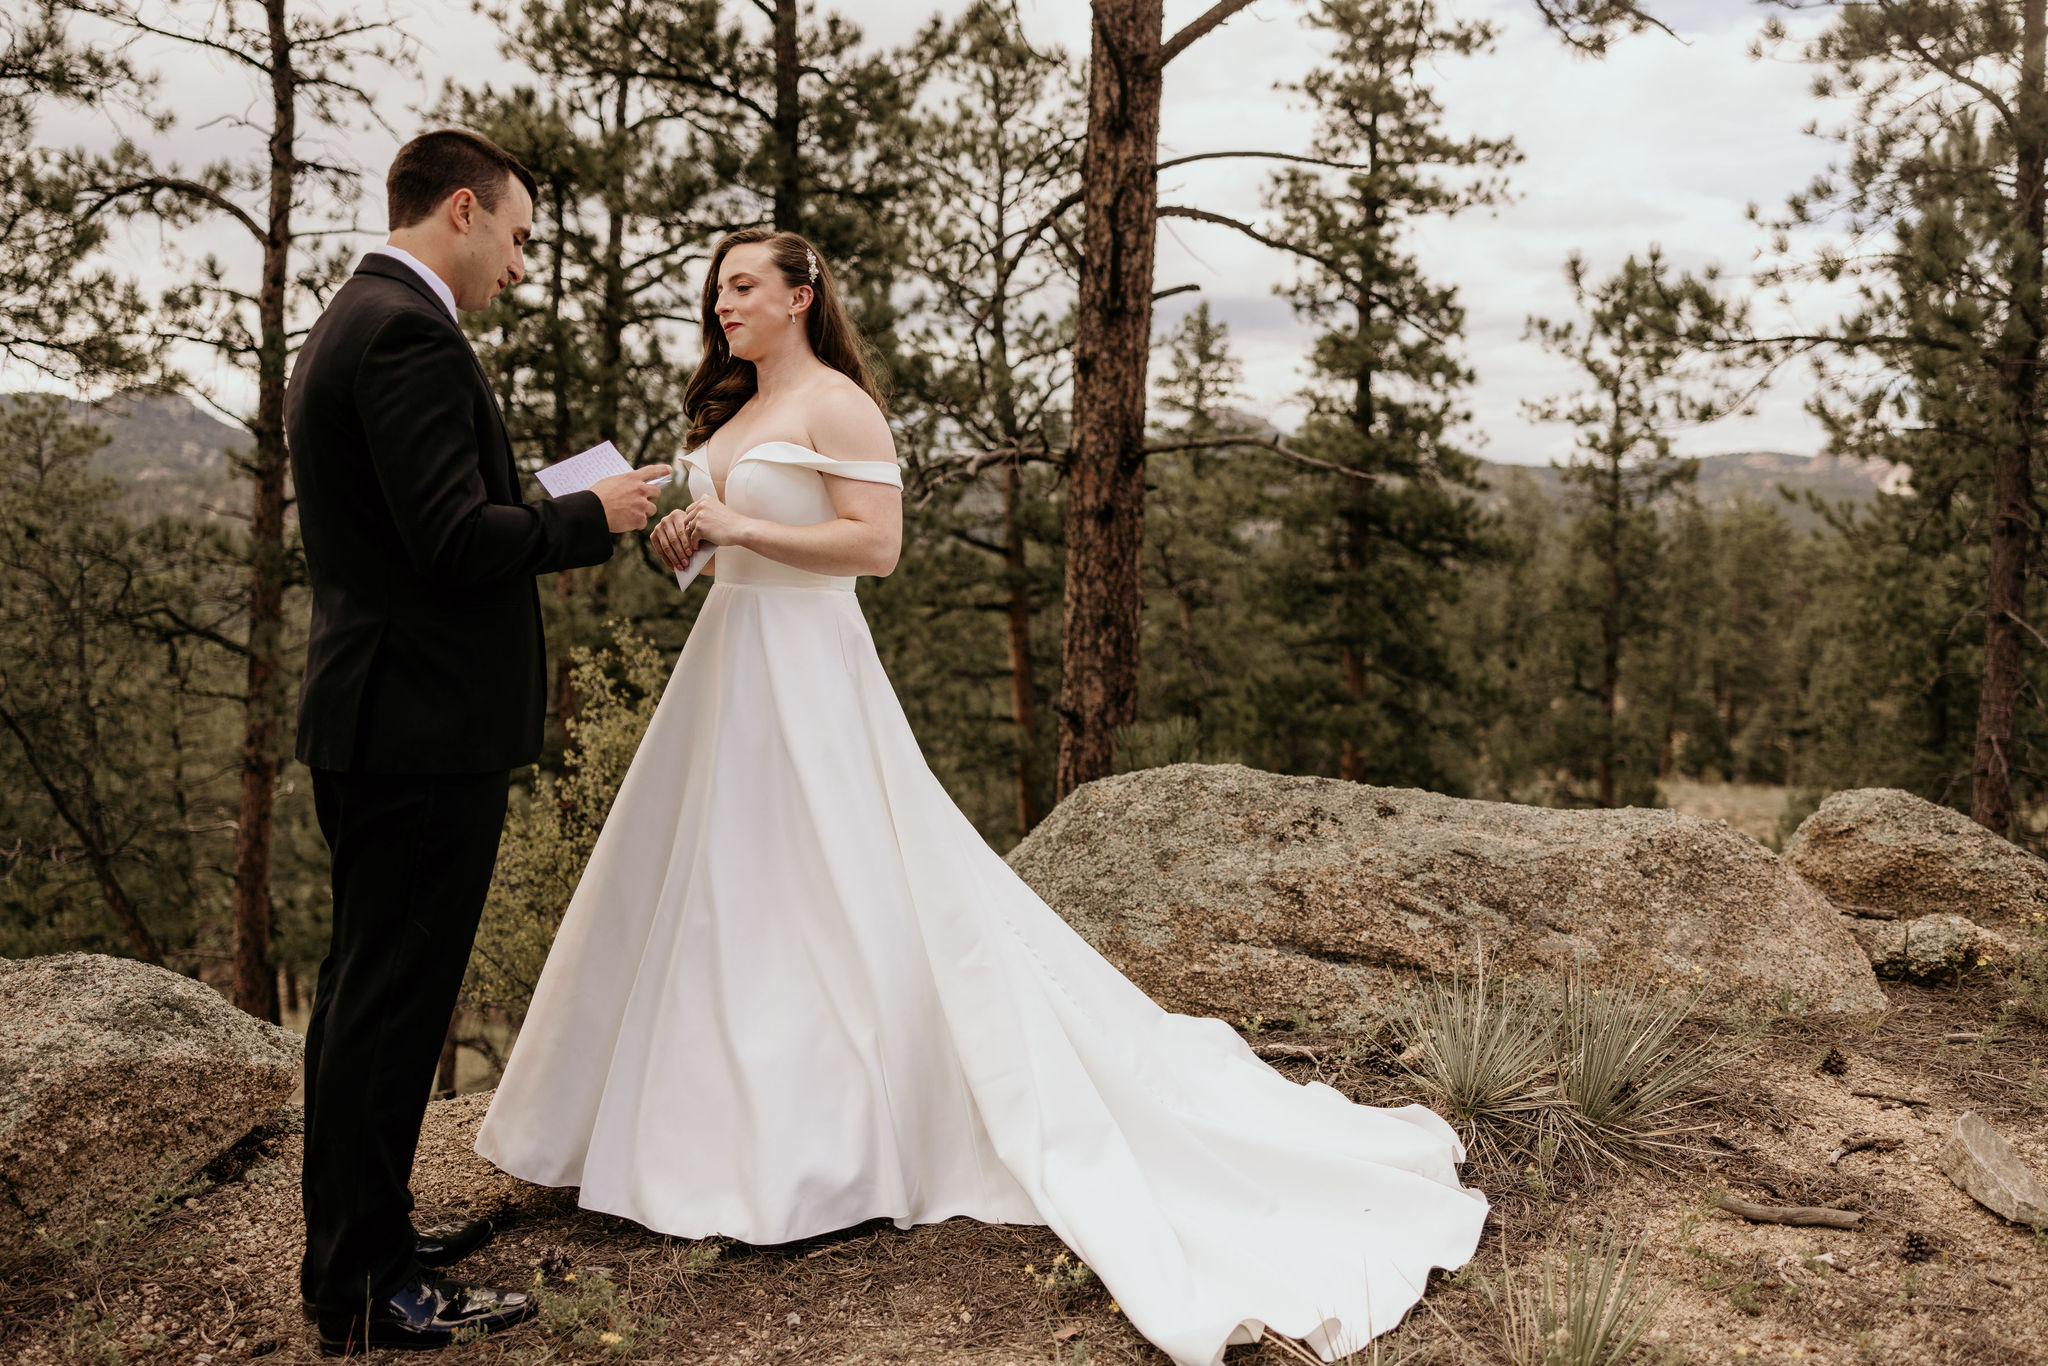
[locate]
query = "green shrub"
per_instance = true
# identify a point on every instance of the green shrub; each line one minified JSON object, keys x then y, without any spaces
{"x":551,"y":830}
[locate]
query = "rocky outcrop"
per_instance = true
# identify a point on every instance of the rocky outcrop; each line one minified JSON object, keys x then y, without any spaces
{"x":1930,"y":948}
{"x":1225,"y":891}
{"x":1985,"y":1167}
{"x":1887,"y":850}
{"x":119,"y":1080}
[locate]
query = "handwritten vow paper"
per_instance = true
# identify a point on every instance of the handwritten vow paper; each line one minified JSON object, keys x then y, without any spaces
{"x":602,"y":461}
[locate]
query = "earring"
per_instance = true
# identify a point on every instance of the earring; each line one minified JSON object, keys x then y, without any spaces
{"x":792,"y":315}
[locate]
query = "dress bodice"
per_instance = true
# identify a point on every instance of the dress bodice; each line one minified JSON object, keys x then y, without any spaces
{"x":779,"y":481}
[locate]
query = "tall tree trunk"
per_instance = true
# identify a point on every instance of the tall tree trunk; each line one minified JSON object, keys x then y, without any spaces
{"x":1351,"y":759}
{"x":1610,"y":642}
{"x":560,"y":443}
{"x":263,"y":693}
{"x":788,"y":120}
{"x":611,"y":328}
{"x":1112,"y":344}
{"x":2012,"y":478}
{"x":1023,"y":692}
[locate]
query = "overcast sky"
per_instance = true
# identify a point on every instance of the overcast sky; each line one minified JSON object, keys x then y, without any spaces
{"x":1664,"y":141}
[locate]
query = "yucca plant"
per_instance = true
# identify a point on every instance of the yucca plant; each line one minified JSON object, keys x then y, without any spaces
{"x":1487,"y":1058}
{"x":1591,"y":1307}
{"x":1619,"y":1071}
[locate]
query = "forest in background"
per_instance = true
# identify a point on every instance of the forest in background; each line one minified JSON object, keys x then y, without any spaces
{"x":1095,"y":577}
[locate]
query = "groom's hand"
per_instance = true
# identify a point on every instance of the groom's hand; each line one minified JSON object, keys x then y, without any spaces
{"x":629,"y":498}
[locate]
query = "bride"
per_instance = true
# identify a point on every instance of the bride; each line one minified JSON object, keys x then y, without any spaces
{"x":795,"y":990}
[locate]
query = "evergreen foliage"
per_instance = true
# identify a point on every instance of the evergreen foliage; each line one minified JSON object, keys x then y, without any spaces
{"x":1373,"y":555}
{"x":1343,"y":599}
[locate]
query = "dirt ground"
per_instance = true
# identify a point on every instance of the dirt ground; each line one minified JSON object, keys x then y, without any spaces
{"x":1929,"y":1277}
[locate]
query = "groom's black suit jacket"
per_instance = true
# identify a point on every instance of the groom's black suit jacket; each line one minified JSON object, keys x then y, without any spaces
{"x":426,"y":653}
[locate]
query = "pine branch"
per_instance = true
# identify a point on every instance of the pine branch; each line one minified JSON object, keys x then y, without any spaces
{"x":1198,"y":29}
{"x":1265,"y":443}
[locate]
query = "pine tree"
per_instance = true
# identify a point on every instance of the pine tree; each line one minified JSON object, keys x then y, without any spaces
{"x":1943,"y":196}
{"x":305,"y":72}
{"x":1640,"y":349}
{"x":983,"y":383}
{"x":1384,"y":541}
{"x":61,"y":312}
{"x":1210,"y":654}
{"x":801,"y":127}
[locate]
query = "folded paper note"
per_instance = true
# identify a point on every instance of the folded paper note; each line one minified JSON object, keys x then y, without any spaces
{"x":602,"y":461}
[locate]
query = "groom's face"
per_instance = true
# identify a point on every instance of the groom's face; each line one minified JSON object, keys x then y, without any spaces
{"x":495,"y":259}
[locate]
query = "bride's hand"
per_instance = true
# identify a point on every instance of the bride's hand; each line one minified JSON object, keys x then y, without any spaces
{"x":671,"y":539}
{"x":708,"y":519}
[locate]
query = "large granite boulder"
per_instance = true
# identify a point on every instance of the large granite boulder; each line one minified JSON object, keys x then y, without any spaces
{"x":118,"y":1081}
{"x":1225,"y":891}
{"x":1880,"y":848}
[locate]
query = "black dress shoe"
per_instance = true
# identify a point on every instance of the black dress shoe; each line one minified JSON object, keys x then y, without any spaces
{"x":446,"y":1244}
{"x":425,"y":1312}
{"x":442,"y":1245}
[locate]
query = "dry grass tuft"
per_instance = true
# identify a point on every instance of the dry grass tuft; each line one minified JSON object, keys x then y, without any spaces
{"x":1623,"y":1075}
{"x":1592,"y":1073}
{"x":1485,"y":1055}
{"x":1590,"y":1307}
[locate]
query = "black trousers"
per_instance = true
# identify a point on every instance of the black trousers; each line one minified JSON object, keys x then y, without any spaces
{"x":412,"y":864}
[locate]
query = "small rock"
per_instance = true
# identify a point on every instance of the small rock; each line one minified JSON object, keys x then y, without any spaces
{"x":1933,"y":948}
{"x":1985,"y":1167}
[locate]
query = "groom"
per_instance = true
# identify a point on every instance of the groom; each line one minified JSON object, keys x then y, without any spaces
{"x":424,"y":688}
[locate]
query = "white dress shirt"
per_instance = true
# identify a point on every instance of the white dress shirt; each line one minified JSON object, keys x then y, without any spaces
{"x":421,"y":269}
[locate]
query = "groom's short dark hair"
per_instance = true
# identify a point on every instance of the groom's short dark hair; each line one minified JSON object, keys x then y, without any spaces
{"x":435,"y":165}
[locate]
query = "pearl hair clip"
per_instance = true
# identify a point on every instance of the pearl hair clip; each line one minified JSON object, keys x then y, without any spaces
{"x":812,"y":260}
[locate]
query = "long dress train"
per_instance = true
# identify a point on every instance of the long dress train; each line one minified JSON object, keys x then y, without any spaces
{"x":795,"y":990}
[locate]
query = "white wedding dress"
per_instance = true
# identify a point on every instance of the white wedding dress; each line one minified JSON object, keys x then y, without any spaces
{"x":795,"y":990}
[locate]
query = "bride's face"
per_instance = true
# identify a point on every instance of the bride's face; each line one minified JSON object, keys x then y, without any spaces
{"x":755,"y":303}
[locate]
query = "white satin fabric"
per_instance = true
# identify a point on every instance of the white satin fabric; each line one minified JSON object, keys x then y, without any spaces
{"x":795,"y":990}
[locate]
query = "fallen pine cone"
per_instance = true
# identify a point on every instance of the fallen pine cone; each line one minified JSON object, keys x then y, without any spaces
{"x":1919,"y":1248}
{"x":1835,"y":1064}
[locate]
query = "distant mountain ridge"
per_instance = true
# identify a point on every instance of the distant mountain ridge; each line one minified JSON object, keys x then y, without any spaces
{"x":167,"y":454}
{"x":1758,"y":476}
{"x":171,"y":456}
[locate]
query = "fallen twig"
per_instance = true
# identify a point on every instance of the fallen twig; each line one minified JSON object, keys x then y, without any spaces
{"x":1271,"y":1051}
{"x":1867,"y":912}
{"x":1886,"y":1095}
{"x":1965,"y":1036}
{"x":1805,"y":1216}
{"x":1856,"y":1143}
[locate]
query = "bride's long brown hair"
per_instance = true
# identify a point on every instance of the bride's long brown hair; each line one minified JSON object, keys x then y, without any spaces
{"x":722,"y":381}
